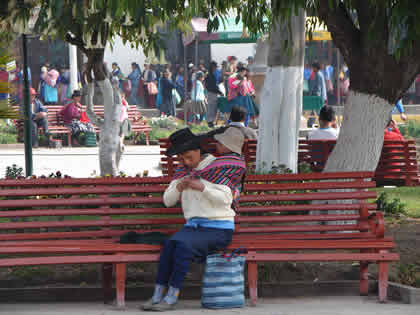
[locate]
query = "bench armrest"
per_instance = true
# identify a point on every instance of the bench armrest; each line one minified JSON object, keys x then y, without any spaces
{"x":377,"y":223}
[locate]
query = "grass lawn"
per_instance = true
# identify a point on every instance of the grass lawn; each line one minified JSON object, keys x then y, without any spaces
{"x":408,"y":195}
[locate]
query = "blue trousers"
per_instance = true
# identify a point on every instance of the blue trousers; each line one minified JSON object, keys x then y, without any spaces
{"x":187,"y":245}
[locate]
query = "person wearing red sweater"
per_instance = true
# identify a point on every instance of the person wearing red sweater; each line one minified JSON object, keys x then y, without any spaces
{"x":74,"y":118}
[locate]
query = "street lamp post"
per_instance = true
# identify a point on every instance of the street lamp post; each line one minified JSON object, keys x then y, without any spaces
{"x":27,"y":112}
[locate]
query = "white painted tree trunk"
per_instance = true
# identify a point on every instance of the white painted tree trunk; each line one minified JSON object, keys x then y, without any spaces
{"x":281,"y":108}
{"x":110,"y":146}
{"x":73,"y":68}
{"x":360,"y":140}
{"x":361,"y":136}
{"x":281,"y":98}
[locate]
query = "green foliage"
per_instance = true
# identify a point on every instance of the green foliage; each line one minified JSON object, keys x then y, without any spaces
{"x":409,"y":274}
{"x":274,"y":169}
{"x":304,"y":168}
{"x":390,"y":207}
{"x":411,"y":129}
{"x":6,"y":110}
{"x":7,"y":138}
{"x":8,"y":133}
{"x":164,"y":127}
{"x":14,"y":172}
{"x":163,"y":122}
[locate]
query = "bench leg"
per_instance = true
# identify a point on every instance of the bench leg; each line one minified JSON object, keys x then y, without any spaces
{"x":107,"y":270}
{"x":364,"y":278}
{"x":69,"y":139}
{"x":252,"y":282}
{"x":383,"y":281}
{"x":120,"y":270}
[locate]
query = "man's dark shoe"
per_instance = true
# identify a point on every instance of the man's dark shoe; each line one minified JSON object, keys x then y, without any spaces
{"x":148,"y":306}
{"x":163,"y":307}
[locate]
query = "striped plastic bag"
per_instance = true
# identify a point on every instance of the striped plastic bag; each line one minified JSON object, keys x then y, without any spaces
{"x":223,"y":282}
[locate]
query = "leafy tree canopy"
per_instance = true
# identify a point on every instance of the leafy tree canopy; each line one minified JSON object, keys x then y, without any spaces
{"x":384,"y":30}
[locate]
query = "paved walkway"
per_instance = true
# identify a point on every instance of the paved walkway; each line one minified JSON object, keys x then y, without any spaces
{"x":282,"y":306}
{"x":81,"y":162}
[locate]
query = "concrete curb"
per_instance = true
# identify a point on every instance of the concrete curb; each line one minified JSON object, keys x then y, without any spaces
{"x":191,"y":291}
{"x":403,"y":293}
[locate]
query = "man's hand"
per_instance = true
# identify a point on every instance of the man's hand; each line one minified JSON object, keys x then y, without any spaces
{"x":40,"y":115}
{"x":403,"y":116}
{"x":181,"y":186}
{"x":194,"y":184}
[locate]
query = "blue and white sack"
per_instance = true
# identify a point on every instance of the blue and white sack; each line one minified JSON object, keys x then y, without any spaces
{"x":223,"y":282}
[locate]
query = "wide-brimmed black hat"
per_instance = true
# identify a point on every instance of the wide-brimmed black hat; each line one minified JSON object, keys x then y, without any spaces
{"x":76,"y":93}
{"x":182,"y":141}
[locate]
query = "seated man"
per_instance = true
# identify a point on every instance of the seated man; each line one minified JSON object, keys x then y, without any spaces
{"x":237,"y":119}
{"x":39,"y":117}
{"x":207,"y":187}
{"x":326,"y":130}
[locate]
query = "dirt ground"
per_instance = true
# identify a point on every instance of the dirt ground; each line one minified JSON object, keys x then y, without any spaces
{"x":406,"y":234}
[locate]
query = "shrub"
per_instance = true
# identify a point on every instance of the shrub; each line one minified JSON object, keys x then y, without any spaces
{"x":304,"y":168}
{"x":163,"y":122}
{"x":14,"y":172}
{"x":410,"y":129}
{"x":409,"y":274}
{"x":8,"y":133}
{"x":390,"y":207}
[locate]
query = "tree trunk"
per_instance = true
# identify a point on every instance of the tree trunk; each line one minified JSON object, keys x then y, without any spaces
{"x":110,"y":145}
{"x":281,"y":98}
{"x":361,"y":137}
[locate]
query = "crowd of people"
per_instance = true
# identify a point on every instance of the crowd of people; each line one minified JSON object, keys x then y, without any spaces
{"x":319,"y":80}
{"x":198,"y":88}
{"x":205,"y":91}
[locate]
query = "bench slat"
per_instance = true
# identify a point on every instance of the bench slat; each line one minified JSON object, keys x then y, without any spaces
{"x":161,"y":189}
{"x":251,"y":245}
{"x":106,"y":201}
{"x":266,"y":257}
{"x":134,"y":258}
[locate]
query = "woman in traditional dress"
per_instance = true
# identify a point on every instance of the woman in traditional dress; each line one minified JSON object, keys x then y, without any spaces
{"x":149,"y":78}
{"x":73,"y":116}
{"x":134,"y":77}
{"x":50,"y":87}
{"x":198,"y":106}
{"x":241,"y":94}
{"x":168,"y":104}
{"x":64,"y":82}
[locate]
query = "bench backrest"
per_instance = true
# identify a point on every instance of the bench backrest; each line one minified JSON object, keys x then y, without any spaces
{"x":93,"y":208}
{"x":398,"y":161}
{"x":134,"y":115}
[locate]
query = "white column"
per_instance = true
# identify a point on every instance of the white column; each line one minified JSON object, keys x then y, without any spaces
{"x":73,"y":68}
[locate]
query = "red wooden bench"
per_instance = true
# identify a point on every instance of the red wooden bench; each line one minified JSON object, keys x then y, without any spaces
{"x":397,"y":164}
{"x":79,"y":221}
{"x":56,"y":125}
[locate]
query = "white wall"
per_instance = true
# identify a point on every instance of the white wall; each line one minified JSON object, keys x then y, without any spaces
{"x":124,"y":55}
{"x":220,"y":52}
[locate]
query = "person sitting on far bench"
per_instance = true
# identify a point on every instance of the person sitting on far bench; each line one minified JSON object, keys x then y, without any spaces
{"x":207,"y":207}
{"x":327,"y":125}
{"x":39,"y":116}
{"x":237,"y":119}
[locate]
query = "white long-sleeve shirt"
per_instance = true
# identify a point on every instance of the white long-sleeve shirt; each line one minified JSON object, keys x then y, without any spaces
{"x":213,"y":203}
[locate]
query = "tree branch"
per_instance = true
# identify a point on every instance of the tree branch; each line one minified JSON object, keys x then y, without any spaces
{"x":76,"y":41}
{"x":344,"y":33}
